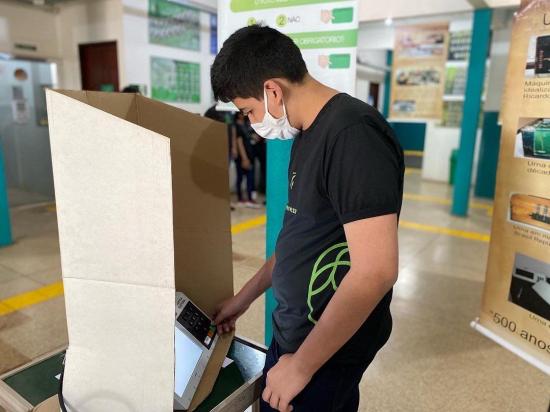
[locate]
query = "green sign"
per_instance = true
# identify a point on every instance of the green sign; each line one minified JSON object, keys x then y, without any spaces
{"x":175,"y":81}
{"x":249,"y":5}
{"x":172,"y":24}
{"x":339,"y":61}
{"x":325,"y":39}
{"x":343,"y":15}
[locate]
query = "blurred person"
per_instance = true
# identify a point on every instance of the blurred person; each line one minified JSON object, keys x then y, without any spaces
{"x":131,"y":88}
{"x":336,"y":257}
{"x":260,"y":154}
{"x":227,"y":118}
{"x":245,"y":161}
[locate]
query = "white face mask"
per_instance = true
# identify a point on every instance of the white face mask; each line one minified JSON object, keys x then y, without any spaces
{"x":271,"y":128}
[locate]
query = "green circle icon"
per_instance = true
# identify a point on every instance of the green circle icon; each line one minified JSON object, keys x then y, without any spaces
{"x":251,"y":21}
{"x":281,"y":20}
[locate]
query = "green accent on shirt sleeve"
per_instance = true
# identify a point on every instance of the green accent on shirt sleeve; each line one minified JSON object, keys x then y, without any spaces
{"x":322,"y":271}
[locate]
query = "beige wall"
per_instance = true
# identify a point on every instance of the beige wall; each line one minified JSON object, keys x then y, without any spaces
{"x":28,"y":25}
{"x":86,"y":22}
{"x":57,"y":34}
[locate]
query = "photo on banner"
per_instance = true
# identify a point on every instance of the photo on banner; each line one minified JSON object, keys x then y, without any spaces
{"x":418,"y":75}
{"x":515,"y":308}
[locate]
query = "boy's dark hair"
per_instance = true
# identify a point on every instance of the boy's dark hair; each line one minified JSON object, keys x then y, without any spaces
{"x":249,"y":57}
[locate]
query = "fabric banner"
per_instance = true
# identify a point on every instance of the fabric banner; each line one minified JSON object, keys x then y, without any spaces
{"x":418,"y":73}
{"x":325,"y":31}
{"x":516,"y":299}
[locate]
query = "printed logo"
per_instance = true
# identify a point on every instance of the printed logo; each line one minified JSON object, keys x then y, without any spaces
{"x":252,"y":21}
{"x":335,"y":61}
{"x":336,"y":16}
{"x":323,"y":275}
{"x":282,"y":20}
{"x":292,"y":179}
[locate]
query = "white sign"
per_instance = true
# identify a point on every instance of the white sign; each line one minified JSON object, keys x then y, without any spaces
{"x":325,"y":31}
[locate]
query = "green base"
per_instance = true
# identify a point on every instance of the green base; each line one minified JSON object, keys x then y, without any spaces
{"x":38,"y":382}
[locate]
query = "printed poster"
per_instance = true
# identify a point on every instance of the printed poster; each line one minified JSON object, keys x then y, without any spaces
{"x":175,"y":81}
{"x":325,"y":31}
{"x":174,"y":25}
{"x":418,"y":72}
{"x":516,"y":298}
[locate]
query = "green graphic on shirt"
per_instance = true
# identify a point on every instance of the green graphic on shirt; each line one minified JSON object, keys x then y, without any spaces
{"x":327,"y":272}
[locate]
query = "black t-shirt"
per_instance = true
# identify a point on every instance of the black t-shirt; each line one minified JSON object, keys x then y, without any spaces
{"x":347,"y":166}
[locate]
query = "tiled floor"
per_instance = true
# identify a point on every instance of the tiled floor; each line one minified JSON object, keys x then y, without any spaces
{"x":433,"y":361}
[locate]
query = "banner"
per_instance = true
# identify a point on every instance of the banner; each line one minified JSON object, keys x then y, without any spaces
{"x":516,"y":300}
{"x":418,"y":73}
{"x":325,"y":31}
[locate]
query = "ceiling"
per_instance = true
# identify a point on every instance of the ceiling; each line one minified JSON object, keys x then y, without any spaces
{"x":370,"y":10}
{"x":43,"y":4}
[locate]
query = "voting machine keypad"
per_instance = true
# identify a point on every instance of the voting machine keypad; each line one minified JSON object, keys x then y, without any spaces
{"x":196,"y":322}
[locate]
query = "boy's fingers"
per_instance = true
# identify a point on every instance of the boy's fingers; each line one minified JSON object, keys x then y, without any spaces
{"x":283,"y":406}
{"x":266,"y":395}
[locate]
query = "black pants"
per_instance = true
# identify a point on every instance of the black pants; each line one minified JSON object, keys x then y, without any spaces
{"x":333,"y":388}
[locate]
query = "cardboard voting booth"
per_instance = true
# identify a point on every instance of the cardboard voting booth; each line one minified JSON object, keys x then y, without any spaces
{"x":143,"y":210}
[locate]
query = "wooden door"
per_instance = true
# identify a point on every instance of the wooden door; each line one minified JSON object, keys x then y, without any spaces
{"x":374,"y":89}
{"x":99,"y":66}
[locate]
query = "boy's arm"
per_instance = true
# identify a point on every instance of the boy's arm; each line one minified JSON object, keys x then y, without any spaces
{"x":229,"y":310}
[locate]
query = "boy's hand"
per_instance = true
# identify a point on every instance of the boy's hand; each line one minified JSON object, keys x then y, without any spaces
{"x":227,"y":313}
{"x":284,"y":382}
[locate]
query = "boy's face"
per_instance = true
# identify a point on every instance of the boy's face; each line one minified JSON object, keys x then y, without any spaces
{"x":255,"y":109}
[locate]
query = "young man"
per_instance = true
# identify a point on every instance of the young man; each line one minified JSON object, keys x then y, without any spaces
{"x":336,"y":258}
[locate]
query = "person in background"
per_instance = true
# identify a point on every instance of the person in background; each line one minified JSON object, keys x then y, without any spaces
{"x":227,"y":118}
{"x":245,"y":161}
{"x":131,"y":88}
{"x":260,"y":154}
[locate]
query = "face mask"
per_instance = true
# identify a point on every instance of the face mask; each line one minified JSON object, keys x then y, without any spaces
{"x":271,"y":128}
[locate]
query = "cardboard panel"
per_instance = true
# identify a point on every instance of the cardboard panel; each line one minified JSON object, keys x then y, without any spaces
{"x":202,"y":229}
{"x":202,"y":269}
{"x":121,"y":105}
{"x":113,"y":192}
{"x":199,"y":165}
{"x":143,"y":209}
{"x":125,"y":363}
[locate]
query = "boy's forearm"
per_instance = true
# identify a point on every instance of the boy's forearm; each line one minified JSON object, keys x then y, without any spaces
{"x":260,"y":282}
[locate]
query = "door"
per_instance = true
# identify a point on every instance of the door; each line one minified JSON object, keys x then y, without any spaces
{"x":373,"y":94}
{"x":99,"y":66}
